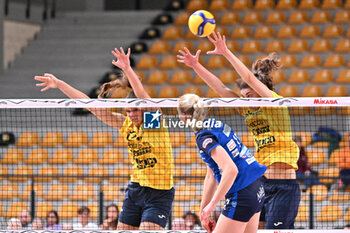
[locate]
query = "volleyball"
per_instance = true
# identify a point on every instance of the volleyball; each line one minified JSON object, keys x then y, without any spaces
{"x":201,"y":23}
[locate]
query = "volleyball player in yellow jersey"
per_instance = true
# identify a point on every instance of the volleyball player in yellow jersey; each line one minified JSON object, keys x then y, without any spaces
{"x":270,"y":127}
{"x":150,"y":193}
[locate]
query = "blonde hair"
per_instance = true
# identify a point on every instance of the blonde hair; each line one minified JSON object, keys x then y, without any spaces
{"x":193,"y":105}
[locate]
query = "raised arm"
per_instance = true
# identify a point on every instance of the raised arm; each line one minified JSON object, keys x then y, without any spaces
{"x":50,"y":81}
{"x":123,"y":62}
{"x":247,"y":76}
{"x":212,"y":81}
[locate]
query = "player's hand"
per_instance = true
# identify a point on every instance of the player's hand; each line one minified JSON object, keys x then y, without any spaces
{"x":219,"y":42}
{"x":123,"y":60}
{"x":187,"y":58}
{"x":204,"y":217}
{"x":47,"y":81}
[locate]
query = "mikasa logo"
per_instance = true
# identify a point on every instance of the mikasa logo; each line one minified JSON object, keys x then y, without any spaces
{"x":322,"y":101}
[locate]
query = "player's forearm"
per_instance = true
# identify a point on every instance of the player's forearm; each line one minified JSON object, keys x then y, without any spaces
{"x":228,"y":176}
{"x":208,"y":190}
{"x":136,"y":84}
{"x":70,"y":91}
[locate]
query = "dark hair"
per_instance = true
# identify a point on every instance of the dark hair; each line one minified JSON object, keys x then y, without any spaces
{"x":131,"y":95}
{"x":56,"y":215}
{"x":107,"y":89}
{"x":196,"y":218}
{"x":113,"y":224}
{"x":262,"y":69}
{"x":83,"y":209}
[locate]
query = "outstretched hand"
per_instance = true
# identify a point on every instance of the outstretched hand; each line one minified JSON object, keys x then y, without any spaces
{"x":187,"y":58}
{"x":123,"y":60}
{"x":47,"y":80}
{"x":219,"y":42}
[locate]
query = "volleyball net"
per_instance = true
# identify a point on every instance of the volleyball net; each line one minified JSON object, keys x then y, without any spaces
{"x":56,"y":155}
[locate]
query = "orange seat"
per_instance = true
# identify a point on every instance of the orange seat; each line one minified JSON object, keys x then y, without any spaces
{"x":298,"y":17}
{"x":339,"y":197}
{"x":289,"y":91}
{"x":22,"y":173}
{"x":286,"y":4}
{"x":28,"y":139}
{"x":299,"y":76}
{"x":332,"y":4}
{"x":333,"y":31}
{"x":316,"y":156}
{"x":336,"y":91}
{"x":147,"y":62}
{"x":47,"y":174}
{"x":15,"y":208}
{"x":321,"y":17}
{"x":121,"y":174}
{"x":68,"y":210}
{"x":182,"y":18}
{"x":334,"y":61}
{"x":309,"y":4}
{"x":159,"y":47}
{"x":232,"y":45}
{"x":193,"y":90}
{"x":61,"y":156}
{"x":264,"y":32}
{"x":169,"y":62}
{"x":94,"y":210}
{"x":230,"y":18}
{"x":198,"y":80}
{"x":179,"y":174}
{"x":13,"y":156}
{"x":76,"y":139}
{"x":57,"y":192}
{"x":86,"y":156}
{"x":330,"y":213}
{"x":71,"y":174}
{"x":219,"y":5}
{"x":187,"y":156}
{"x":287,"y":31}
{"x":312,"y":91}
{"x":83,"y":193}
{"x":180,"y":46}
{"x":289,"y":61}
{"x":264,"y":5}
{"x":212,"y":94}
{"x":197,"y":174}
{"x":342,"y":16}
{"x":298,"y":46}
{"x":309,"y":31}
{"x":8,"y":191}
{"x":205,"y":46}
{"x":347,"y":4}
{"x":347,"y":214}
{"x":343,"y":46}
{"x":97,"y":174}
{"x":222,"y":30}
{"x":252,"y":18}
{"x":240,"y":5}
{"x":192,"y":142}
{"x":177,"y":139}
{"x":241,"y":32}
{"x":321,"y":46}
{"x":185,"y":193}
{"x":216,"y":62}
{"x":195,"y":5}
{"x":343,"y":76}
{"x":323,"y":77}
{"x":278,"y":76}
{"x":310,"y":61}
{"x":3,"y":172}
{"x":111,"y":156}
{"x":252,"y":46}
{"x":52,"y":139}
{"x":245,"y":60}
{"x":329,"y":172}
{"x":111,"y":192}
{"x":228,"y":76}
{"x":120,"y":141}
{"x":303,"y":213}
{"x":275,"y":17}
{"x":169,"y":92}
{"x":37,"y":156}
{"x":320,"y":192}
{"x":157,"y":77}
{"x":306,"y":138}
{"x":43,"y":208}
{"x":173,"y":33}
{"x":190,"y":36}
{"x":178,"y":211}
{"x":181,"y":77}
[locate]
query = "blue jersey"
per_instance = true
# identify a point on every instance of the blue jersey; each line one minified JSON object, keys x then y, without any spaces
{"x":249,"y":170}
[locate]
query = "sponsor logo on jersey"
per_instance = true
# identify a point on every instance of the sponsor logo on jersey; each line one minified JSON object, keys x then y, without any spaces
{"x":231,"y":145}
{"x":206,"y":142}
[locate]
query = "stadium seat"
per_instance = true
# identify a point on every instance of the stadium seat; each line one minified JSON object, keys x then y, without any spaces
{"x":185,"y":193}
{"x":332,"y":4}
{"x":180,"y":46}
{"x":93,"y":206}
{"x":347,"y":214}
{"x":343,"y":76}
{"x":323,"y":77}
{"x":310,"y":61}
{"x":159,"y":47}
{"x":83,"y":193}
{"x":312,"y":91}
{"x":169,"y":92}
{"x":219,"y":5}
{"x":68,"y":210}
{"x":71,"y":174}
{"x":334,"y":158}
{"x":321,"y":46}
{"x":343,"y":46}
{"x":330,"y":213}
{"x":182,"y":18}
{"x":264,"y":32}
{"x":306,"y":138}
{"x":169,"y":62}
{"x":232,"y":45}
{"x":177,"y":139}
{"x":3,"y":172}
{"x":216,"y":62}
{"x":111,"y":192}
{"x":178,"y":210}
{"x":120,"y":141}
{"x":97,"y":174}
{"x":187,"y":156}
{"x":230,"y":18}
{"x":198,"y":80}
{"x":197,"y":174}
{"x":245,"y":60}
{"x":275,"y":17}
{"x":320,"y":192}
{"x":9,"y":191}
{"x":334,"y":61}
{"x":195,"y":5}
{"x":211,"y":94}
{"x":252,"y":18}
{"x":52,"y":139}
{"x":298,"y":46}
{"x":308,"y":4}
{"x":121,"y":174}
{"x":264,"y":5}
{"x":173,"y":33}
{"x":288,"y":91}
{"x":43,"y":208}
{"x":286,"y":4}
{"x":316,"y":156}
{"x":61,"y":156}
{"x":37,"y":156}
{"x":333,"y":31}
{"x":337,"y":196}
{"x":278,"y":76}
{"x":223,"y":30}
{"x":303,"y":213}
{"x":252,"y":46}
{"x":179,"y":174}
{"x":190,"y":36}
{"x":15,"y":208}
{"x":298,"y":17}
{"x":205,"y":46}
{"x":336,"y":91}
{"x":342,"y":16}
{"x":192,"y":142}
{"x":57,"y":192}
{"x":111,"y":156}
{"x":47,"y":174}
{"x":193,"y":90}
{"x":76,"y":139}
{"x":28,"y":139}
{"x":21,"y":172}
{"x":288,"y":31}
{"x":101,"y":139}
{"x":157,"y":77}
{"x":86,"y":156}
{"x":289,"y":61}
{"x":299,"y":77}
{"x":241,"y":32}
{"x":241,"y":5}
{"x":147,"y":62}
{"x":320,"y":17}
{"x":228,"y":77}
{"x":309,"y":31}
{"x":329,"y":172}
{"x":275,"y":46}
{"x":13,"y":156}
{"x":347,"y":4}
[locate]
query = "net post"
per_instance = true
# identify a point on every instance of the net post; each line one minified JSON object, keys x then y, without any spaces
{"x":100,"y":204}
{"x":32,"y":199}
{"x":311,"y":210}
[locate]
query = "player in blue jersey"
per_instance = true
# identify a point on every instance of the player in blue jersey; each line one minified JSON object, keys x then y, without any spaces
{"x":229,"y":164}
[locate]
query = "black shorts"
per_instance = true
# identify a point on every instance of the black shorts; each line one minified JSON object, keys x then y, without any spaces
{"x":144,"y":204}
